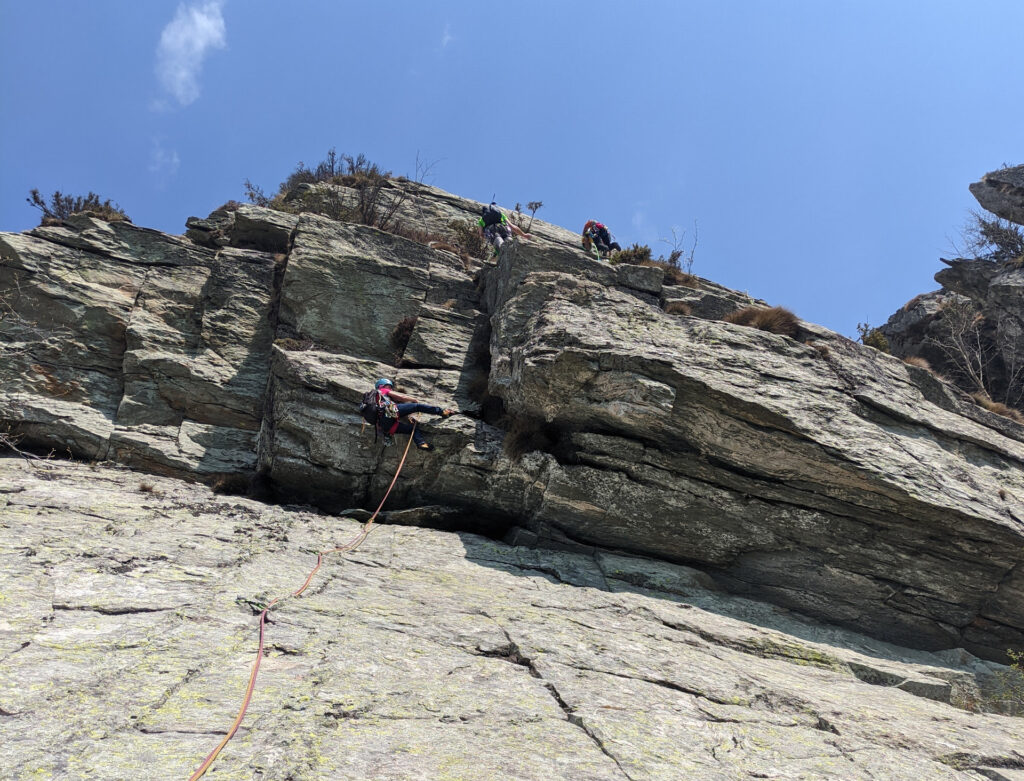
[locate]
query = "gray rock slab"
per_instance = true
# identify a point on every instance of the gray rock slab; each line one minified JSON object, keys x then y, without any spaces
{"x":424,"y":654}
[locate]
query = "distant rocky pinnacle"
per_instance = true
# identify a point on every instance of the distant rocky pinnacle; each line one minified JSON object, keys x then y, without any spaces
{"x":653,"y":545}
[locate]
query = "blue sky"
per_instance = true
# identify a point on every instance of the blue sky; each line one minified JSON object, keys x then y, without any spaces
{"x":824,"y":149}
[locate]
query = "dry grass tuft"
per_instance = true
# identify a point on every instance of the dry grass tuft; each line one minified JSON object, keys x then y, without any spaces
{"x":918,"y":361}
{"x":678,"y":308}
{"x":982,"y":400}
{"x":294,"y":345}
{"x":913,"y":302}
{"x":776,"y":319}
{"x":147,"y":488}
{"x":743,"y":316}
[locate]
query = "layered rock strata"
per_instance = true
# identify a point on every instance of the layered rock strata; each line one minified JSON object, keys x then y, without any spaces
{"x":814,"y":472}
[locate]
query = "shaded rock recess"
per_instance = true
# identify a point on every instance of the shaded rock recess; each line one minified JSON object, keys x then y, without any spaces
{"x":812,"y":472}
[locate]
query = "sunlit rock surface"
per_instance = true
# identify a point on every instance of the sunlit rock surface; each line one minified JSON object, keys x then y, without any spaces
{"x":128,"y":631}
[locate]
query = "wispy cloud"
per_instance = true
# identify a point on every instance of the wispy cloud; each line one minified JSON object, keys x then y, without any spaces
{"x":446,"y":36}
{"x":163,"y":162}
{"x":184,"y":43}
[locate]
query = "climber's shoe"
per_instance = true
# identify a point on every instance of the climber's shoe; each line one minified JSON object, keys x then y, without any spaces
{"x":425,"y":446}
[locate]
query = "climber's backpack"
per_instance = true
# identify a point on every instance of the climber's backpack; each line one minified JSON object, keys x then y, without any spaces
{"x":378,"y":410}
{"x":491,"y":215}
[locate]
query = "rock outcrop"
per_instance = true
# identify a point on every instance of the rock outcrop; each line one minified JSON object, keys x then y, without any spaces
{"x":128,"y":631}
{"x":813,"y":472}
{"x":1002,"y":193}
{"x":972,"y":329}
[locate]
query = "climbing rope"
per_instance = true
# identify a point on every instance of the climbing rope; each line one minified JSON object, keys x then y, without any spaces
{"x":351,"y":545}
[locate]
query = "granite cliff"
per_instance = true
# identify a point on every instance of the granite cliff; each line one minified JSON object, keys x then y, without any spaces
{"x":623,"y":482}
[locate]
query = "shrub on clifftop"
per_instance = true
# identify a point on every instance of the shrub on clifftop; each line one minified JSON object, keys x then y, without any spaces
{"x":61,"y":206}
{"x":373,"y":203}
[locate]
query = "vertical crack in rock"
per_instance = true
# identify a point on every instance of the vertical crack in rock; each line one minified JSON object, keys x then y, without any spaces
{"x":512,"y":653}
{"x":105,"y":454}
{"x":266,"y":431}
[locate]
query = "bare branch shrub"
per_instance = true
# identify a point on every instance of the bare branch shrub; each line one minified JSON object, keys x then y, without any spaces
{"x":680,"y":257}
{"x":962,"y":341}
{"x":533,"y":206}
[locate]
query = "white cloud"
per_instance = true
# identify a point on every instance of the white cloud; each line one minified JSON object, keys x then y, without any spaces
{"x":163,"y":162}
{"x":184,"y":42}
{"x":446,"y":36}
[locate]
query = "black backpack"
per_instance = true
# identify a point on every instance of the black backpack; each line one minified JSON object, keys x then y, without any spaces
{"x":378,"y":410}
{"x":491,"y":215}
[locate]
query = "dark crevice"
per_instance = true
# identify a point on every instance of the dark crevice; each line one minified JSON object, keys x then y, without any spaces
{"x":114,"y":611}
{"x":155,"y":731}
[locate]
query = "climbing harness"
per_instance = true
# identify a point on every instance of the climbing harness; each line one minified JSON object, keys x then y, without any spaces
{"x":351,"y":545}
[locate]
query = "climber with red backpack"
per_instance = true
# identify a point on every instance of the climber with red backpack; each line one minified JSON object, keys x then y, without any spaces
{"x":495,"y":227}
{"x":384,"y":408}
{"x":597,"y":234}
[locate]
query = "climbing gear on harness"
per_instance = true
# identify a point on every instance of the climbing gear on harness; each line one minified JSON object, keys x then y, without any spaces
{"x":377,"y":409}
{"x":351,"y":545}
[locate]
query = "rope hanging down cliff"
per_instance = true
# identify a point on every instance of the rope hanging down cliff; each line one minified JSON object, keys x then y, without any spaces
{"x":351,"y":545}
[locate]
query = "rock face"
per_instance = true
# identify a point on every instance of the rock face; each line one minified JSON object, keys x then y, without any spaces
{"x":128,"y":633}
{"x":1002,"y":193}
{"x":813,"y":472}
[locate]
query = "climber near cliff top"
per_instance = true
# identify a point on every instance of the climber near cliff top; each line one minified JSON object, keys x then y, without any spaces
{"x":384,"y":407}
{"x":596,"y":233}
{"x":495,"y":227}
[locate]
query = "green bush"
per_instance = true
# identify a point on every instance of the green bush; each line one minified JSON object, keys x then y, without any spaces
{"x":62,"y":206}
{"x":872,"y":337}
{"x":637,"y":255}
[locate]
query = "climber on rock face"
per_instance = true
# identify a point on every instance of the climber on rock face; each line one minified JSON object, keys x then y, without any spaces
{"x":597,"y":234}
{"x":495,"y":227}
{"x":385,"y":408}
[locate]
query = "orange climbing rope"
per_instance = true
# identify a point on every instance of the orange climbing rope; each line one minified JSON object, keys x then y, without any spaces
{"x":352,"y":544}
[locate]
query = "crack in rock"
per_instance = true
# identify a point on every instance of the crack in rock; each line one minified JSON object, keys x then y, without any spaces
{"x":512,"y":653}
{"x":113,"y":611}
